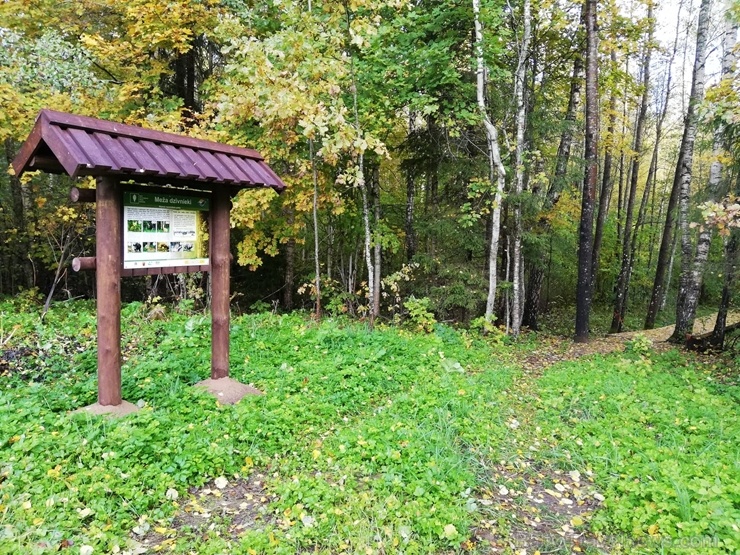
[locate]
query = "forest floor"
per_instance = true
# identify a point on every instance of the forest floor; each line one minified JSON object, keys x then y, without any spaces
{"x":548,"y":520}
{"x":377,"y":443}
{"x":554,"y":349}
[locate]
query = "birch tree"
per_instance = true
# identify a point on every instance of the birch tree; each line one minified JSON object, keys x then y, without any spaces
{"x":497,"y":172}
{"x":521,"y":113}
{"x":682,"y":175}
{"x":682,"y":182}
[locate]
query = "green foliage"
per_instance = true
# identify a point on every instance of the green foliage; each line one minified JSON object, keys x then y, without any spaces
{"x":419,"y":317}
{"x":354,"y":427}
{"x":364,"y":441}
{"x":639,"y":345}
{"x":660,"y":438}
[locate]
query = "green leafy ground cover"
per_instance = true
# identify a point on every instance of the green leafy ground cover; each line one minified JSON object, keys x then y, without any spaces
{"x":387,"y":442}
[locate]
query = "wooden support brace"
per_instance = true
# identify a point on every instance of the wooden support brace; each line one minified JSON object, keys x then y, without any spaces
{"x":77,"y":194}
{"x":84,"y":263}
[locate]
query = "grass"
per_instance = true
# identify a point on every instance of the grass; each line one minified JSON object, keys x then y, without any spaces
{"x":393,"y":441}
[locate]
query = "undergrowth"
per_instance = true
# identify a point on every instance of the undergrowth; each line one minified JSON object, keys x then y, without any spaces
{"x":370,"y":442}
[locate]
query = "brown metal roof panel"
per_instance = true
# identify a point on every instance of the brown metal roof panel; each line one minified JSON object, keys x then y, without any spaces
{"x":233,"y":168}
{"x":187,"y":169}
{"x":265,"y":177}
{"x":144,"y":161}
{"x":28,"y":149}
{"x":80,"y":145}
{"x":117,"y":152}
{"x":207,"y":173}
{"x":223,"y":172}
{"x":69,"y":154}
{"x":161,"y":159}
{"x":272,"y":178}
{"x":135,"y":132}
{"x":246,"y":167}
{"x":94,"y":154}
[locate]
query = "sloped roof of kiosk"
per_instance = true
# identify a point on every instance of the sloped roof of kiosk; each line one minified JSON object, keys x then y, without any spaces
{"x":80,"y":145}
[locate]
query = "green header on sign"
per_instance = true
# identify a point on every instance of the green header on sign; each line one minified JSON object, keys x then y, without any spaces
{"x":158,"y":200}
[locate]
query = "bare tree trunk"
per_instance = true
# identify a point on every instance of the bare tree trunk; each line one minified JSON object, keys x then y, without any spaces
{"x":360,"y":181}
{"x":521,"y":118}
{"x":607,"y":184}
{"x":731,"y":259}
{"x":317,"y":262}
{"x":585,"y":234}
{"x":20,"y":274}
{"x":667,"y":245}
{"x":651,"y":184}
{"x":410,"y":198}
{"x":704,"y":240}
{"x":688,"y":295}
{"x":497,"y":172}
{"x":377,"y":247}
{"x":620,"y":292}
{"x":289,"y":286}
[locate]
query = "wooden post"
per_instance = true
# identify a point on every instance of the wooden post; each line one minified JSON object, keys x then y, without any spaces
{"x":220,"y":282}
{"x":108,"y":259}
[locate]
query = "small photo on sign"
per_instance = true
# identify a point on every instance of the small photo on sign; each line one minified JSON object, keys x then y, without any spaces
{"x":134,"y":226}
{"x":149,"y":226}
{"x":188,"y":247}
{"x":149,"y":246}
{"x":163,"y":227}
{"x":163,"y":247}
{"x":133,"y":247}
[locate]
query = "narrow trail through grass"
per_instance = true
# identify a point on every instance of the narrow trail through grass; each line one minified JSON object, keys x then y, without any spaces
{"x":600,"y":458}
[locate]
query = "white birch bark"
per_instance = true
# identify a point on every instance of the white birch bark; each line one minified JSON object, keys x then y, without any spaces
{"x":521,"y":113}
{"x":704,"y":239}
{"x":497,"y":172}
{"x":684,"y":318}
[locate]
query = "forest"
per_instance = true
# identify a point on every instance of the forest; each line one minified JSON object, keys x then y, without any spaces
{"x":491,"y":160}
{"x":493,"y":311}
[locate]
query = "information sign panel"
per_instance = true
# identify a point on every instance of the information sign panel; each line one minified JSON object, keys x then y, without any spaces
{"x":163,"y":230}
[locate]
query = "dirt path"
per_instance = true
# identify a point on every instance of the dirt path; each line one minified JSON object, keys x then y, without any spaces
{"x":533,"y":507}
{"x":701,"y":326}
{"x":556,"y":350}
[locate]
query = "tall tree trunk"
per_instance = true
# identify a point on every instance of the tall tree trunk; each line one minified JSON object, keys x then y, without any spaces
{"x":521,"y":118}
{"x":688,"y":295}
{"x":497,"y":172}
{"x":704,"y":239}
{"x":585,"y":233}
{"x":620,"y":193}
{"x":717,"y":339}
{"x":537,"y":270}
{"x":625,"y":271}
{"x":607,"y":183}
{"x":377,"y":247}
{"x":19,"y":271}
{"x":410,"y":199}
{"x":653,"y":170}
{"x":317,"y":261}
{"x":361,"y":183}
{"x":667,"y":242}
{"x":289,"y":250}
